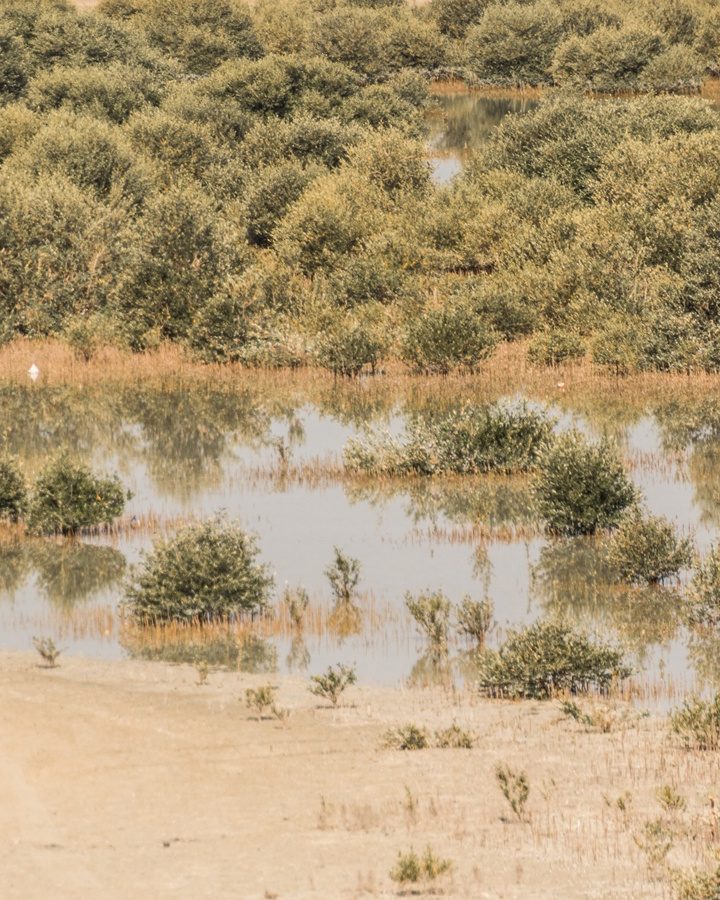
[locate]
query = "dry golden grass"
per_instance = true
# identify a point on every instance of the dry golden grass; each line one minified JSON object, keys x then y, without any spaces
{"x":507,"y":372}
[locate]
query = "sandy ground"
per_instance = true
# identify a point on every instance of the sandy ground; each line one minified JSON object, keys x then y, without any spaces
{"x":129,"y":779}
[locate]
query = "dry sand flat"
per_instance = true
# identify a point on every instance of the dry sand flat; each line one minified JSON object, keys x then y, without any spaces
{"x":128,"y":779}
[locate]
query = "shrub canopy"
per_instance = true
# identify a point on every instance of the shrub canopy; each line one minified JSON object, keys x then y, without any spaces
{"x":205,"y":573}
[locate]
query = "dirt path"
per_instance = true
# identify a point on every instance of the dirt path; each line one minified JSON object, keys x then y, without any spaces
{"x":128,"y":780}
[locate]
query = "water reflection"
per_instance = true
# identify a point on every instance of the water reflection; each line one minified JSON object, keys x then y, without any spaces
{"x":70,"y":572}
{"x":461,"y":122}
{"x":192,"y":451}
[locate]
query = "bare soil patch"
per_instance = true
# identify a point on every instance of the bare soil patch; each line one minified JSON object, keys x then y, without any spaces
{"x":125,"y":779}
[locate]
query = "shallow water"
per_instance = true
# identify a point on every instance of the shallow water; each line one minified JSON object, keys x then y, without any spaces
{"x":193,"y":453}
{"x":461,"y":122}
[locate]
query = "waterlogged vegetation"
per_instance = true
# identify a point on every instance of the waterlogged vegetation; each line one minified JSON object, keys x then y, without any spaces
{"x":465,"y":538}
{"x":253,"y":184}
{"x":349,"y":371}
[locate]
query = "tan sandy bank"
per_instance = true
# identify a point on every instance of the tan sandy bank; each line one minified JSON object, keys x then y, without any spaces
{"x":128,"y":779}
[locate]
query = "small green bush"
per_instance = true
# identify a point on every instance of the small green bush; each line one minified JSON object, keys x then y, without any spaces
{"x":515,"y":789}
{"x":464,"y":441}
{"x":68,"y":497}
{"x":607,"y":59}
{"x":646,"y":548}
{"x":219,"y":330}
{"x":454,"y":738}
{"x":333,"y":683}
{"x":406,"y":737}
{"x":514,"y":43}
{"x":344,"y":575}
{"x":432,"y":614}
{"x":546,"y":659}
{"x":348,"y":349}
{"x":440,"y":340}
{"x":13,"y":491}
{"x":411,"y":868}
{"x":554,"y":347}
{"x":697,"y":723}
{"x":206,"y":572}
{"x":475,"y":619}
{"x":703,"y":595}
{"x":581,"y":488}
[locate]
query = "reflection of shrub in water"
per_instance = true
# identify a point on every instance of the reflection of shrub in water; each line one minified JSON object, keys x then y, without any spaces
{"x":14,"y":564}
{"x":243,"y":653}
{"x":70,"y":571}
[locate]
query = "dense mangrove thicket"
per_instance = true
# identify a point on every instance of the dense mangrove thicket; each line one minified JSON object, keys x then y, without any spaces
{"x":253,"y":182}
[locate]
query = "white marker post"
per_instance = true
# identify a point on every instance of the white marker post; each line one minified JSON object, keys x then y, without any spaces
{"x":34,"y":372}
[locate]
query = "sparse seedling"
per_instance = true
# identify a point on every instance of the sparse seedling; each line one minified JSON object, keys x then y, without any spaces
{"x":656,"y":842}
{"x":412,"y":869}
{"x":203,"y":670}
{"x":515,"y":789}
{"x":406,"y":737}
{"x":48,"y":651}
{"x":261,"y":699}
{"x":343,"y":575}
{"x":333,"y":683}
{"x":670,"y":800}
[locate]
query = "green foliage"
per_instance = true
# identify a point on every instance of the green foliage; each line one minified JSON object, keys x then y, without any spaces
{"x":514,"y":43}
{"x":546,"y":659}
{"x":432,"y":614}
{"x":344,"y":575}
{"x":697,"y":885}
{"x":273,"y":193}
{"x":413,"y":869}
{"x":67,"y":498}
{"x":261,"y":698}
{"x":581,"y":488}
{"x":200,"y":33}
{"x":296,"y":602}
{"x":553,"y":347}
{"x":440,"y":340}
{"x":646,"y":548}
{"x":454,"y":17}
{"x":219,"y":330}
{"x":515,"y":789}
{"x":468,"y":440}
{"x":606,"y":59}
{"x":205,"y":573}
{"x":406,"y":737}
{"x":703,"y":595}
{"x":349,"y":348}
{"x":13,"y":491}
{"x":111,"y":92}
{"x":475,"y":619}
{"x":332,"y":684}
{"x":697,"y":723}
